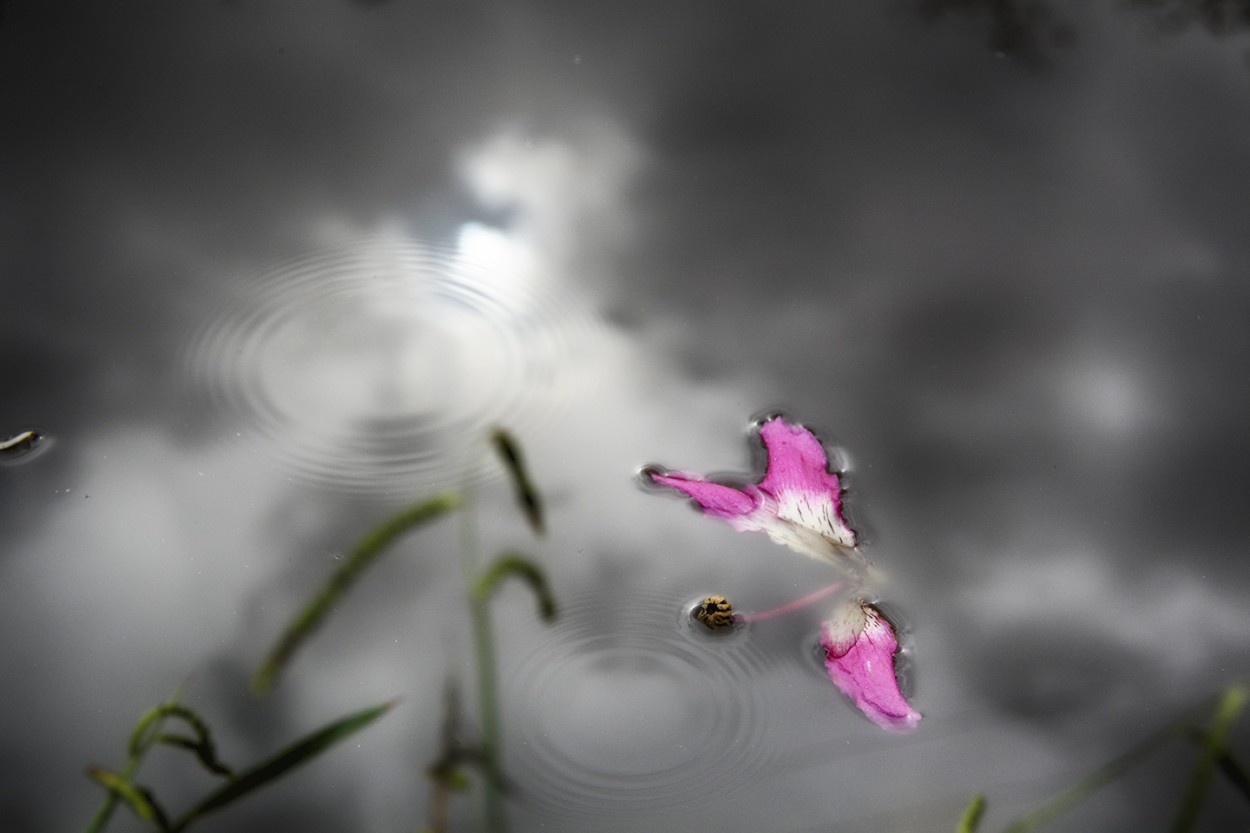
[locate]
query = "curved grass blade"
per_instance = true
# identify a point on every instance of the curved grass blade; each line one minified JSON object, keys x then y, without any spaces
{"x":505,"y":566}
{"x":288,"y":759}
{"x":1104,"y":775}
{"x":510,"y":565}
{"x":1226,"y":713}
{"x":970,"y":819}
{"x":1236,"y":774}
{"x":365,"y":553}
{"x":141,"y":740}
{"x":201,"y":744}
{"x":526,"y":493}
{"x":204,"y":750}
{"x":137,"y":798}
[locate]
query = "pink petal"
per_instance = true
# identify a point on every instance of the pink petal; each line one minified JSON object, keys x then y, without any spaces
{"x":860,"y":647}
{"x":798,"y":479}
{"x":714,"y":498}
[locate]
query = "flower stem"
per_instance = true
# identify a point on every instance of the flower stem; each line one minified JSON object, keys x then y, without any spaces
{"x":789,"y":607}
{"x":487,"y":688}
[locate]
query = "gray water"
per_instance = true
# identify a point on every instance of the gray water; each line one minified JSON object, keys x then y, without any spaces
{"x":272,"y":272}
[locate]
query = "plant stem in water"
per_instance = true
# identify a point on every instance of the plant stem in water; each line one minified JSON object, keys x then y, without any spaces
{"x":790,"y":607}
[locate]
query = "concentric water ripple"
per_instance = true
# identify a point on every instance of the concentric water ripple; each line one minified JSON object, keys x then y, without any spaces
{"x":627,"y":709}
{"x":380,"y":366}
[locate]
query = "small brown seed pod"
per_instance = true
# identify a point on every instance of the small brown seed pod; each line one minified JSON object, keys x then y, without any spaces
{"x":715,"y":612}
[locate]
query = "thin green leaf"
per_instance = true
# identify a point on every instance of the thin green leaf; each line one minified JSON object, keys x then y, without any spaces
{"x":971,"y":816}
{"x":1226,"y":713}
{"x":288,"y":759}
{"x":201,"y":744}
{"x":1083,"y":789}
{"x":515,"y":565}
{"x":454,"y":754}
{"x":203,"y":749}
{"x":142,"y":738}
{"x":526,"y":493}
{"x":139,"y":799}
{"x":147,"y":730}
{"x":365,"y":553}
{"x":1236,"y":773}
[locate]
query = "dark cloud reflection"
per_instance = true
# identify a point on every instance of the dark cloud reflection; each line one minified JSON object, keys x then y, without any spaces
{"x":995,"y":250}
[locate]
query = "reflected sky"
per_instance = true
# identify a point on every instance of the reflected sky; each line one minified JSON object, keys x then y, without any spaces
{"x":271,"y":273}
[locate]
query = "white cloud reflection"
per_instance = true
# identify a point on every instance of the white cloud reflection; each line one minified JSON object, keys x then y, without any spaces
{"x":878,"y":227}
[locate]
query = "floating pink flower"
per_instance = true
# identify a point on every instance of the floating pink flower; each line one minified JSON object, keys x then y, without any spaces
{"x":860,"y":647}
{"x":798,"y":503}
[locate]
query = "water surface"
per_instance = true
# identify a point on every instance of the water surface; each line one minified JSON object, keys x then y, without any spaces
{"x":271,"y":274}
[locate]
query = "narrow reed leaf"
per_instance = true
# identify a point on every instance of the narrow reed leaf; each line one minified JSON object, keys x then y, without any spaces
{"x":139,"y":799}
{"x":971,"y":816}
{"x":141,"y":740}
{"x":148,"y":730}
{"x":448,"y":770}
{"x":526,"y":493}
{"x":1104,"y":775}
{"x":204,"y":751}
{"x":288,"y":759}
{"x":445,"y":774}
{"x":1236,"y":773}
{"x":364,"y":554}
{"x":512,"y":564}
{"x":201,"y":744}
{"x":1227,"y":710}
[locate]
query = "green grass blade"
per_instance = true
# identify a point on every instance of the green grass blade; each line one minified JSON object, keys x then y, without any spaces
{"x":365,"y":553}
{"x":201,"y":744}
{"x":488,"y":709}
{"x":1083,"y":789}
{"x":527,"y":496}
{"x":148,"y":730}
{"x":971,"y":816}
{"x":1236,"y":774}
{"x":508,"y":565}
{"x":141,"y":739}
{"x":1226,"y":713}
{"x":203,"y":749}
{"x":137,"y":798}
{"x":515,"y":565}
{"x":288,"y":759}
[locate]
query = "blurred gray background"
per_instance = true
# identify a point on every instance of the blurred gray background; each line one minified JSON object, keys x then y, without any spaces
{"x":272,"y":270}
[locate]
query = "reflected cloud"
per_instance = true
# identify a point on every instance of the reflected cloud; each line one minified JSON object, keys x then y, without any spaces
{"x":1031,"y":31}
{"x":1108,"y":400}
{"x":564,"y":197}
{"x":1075,"y":635}
{"x":376,"y":365}
{"x":962,"y":273}
{"x":1025,"y":30}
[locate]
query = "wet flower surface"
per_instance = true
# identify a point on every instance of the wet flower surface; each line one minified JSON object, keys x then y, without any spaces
{"x":798,"y":503}
{"x":860,"y":647}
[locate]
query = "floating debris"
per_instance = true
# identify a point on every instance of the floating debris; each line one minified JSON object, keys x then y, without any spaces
{"x":715,"y":613}
{"x":19,"y":445}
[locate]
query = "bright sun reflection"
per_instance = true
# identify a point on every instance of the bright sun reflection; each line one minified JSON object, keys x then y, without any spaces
{"x":505,"y":264}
